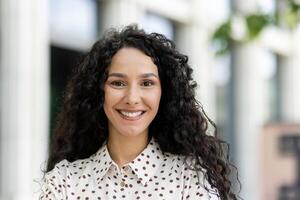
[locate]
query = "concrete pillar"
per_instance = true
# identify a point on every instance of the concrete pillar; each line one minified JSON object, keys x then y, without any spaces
{"x":119,"y":13}
{"x":289,"y":73}
{"x":24,"y":83}
{"x":249,"y":95}
{"x":193,"y":39}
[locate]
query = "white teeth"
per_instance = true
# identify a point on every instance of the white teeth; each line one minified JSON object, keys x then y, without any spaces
{"x":131,"y":114}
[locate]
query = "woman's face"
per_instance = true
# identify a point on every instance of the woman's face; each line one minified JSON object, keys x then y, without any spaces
{"x":132,"y":93}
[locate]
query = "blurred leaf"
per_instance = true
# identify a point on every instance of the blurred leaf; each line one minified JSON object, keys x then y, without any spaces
{"x":221,"y":38}
{"x":294,"y":6}
{"x":256,"y":23}
{"x":291,"y":16}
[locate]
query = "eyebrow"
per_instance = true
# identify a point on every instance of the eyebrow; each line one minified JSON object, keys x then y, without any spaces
{"x":120,"y":75}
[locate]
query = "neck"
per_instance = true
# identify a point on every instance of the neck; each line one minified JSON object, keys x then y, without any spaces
{"x":124,"y":149}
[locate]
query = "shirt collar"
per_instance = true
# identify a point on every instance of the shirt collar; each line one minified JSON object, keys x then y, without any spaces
{"x":147,"y":163}
{"x":144,"y":165}
{"x":102,"y":161}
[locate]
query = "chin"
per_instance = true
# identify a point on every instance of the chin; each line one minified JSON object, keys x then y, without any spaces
{"x":132,"y":133}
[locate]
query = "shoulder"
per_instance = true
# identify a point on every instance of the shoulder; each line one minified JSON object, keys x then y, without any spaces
{"x":58,"y":172}
{"x":66,"y":170}
{"x":52,"y":186}
{"x":64,"y":174}
{"x":195,"y":183}
{"x":178,"y":162}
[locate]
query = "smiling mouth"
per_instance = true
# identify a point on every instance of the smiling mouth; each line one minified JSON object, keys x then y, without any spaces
{"x":131,"y":115}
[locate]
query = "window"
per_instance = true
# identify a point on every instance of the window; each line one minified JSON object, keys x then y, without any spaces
{"x":73,"y":23}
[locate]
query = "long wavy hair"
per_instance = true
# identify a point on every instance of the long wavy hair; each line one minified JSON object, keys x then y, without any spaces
{"x":180,"y":126}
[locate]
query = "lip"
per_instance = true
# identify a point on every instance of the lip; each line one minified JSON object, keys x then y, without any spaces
{"x":129,"y":110}
{"x":131,"y":118}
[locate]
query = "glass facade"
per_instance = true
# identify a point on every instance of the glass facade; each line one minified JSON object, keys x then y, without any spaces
{"x":73,"y":23}
{"x":156,"y":23}
{"x":73,"y":29}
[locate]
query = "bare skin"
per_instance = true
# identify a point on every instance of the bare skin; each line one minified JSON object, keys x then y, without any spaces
{"x":132,"y":96}
{"x":124,"y":150}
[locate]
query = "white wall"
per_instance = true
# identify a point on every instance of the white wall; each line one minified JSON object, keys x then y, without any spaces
{"x":24,"y":83}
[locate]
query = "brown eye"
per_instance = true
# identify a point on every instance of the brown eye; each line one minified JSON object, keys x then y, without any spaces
{"x":117,"y":84}
{"x":147,"y":83}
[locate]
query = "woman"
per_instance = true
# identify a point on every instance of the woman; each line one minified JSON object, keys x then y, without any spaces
{"x":131,"y":128}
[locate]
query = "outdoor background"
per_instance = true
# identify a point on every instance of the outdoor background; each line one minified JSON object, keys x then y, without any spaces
{"x":246,"y":60}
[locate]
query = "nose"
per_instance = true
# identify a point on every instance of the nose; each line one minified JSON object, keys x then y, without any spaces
{"x":133,"y":96}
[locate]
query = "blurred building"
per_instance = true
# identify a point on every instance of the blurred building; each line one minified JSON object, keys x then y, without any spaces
{"x":41,"y":41}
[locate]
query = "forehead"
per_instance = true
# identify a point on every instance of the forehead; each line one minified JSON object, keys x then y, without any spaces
{"x":131,"y":59}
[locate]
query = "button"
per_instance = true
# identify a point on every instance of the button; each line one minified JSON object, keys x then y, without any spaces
{"x":122,"y":184}
{"x":127,"y":168}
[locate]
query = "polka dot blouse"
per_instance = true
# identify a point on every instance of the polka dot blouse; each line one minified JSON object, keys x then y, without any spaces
{"x":151,"y":175}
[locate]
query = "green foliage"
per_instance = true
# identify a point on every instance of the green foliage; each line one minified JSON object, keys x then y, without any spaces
{"x":221,"y":38}
{"x":294,"y":7}
{"x":291,"y":16}
{"x":255,"y":24}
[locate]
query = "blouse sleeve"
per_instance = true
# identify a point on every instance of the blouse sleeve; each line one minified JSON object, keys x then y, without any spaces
{"x":52,"y":184}
{"x":193,"y":189}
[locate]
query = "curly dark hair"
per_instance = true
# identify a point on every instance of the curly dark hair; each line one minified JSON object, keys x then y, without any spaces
{"x":180,"y":126}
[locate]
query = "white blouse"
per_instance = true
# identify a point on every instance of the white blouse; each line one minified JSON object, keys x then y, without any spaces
{"x":151,"y":175}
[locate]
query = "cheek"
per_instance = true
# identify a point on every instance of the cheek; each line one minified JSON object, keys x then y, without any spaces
{"x":154,"y":99}
{"x":111,"y":96}
{"x":109,"y":100}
